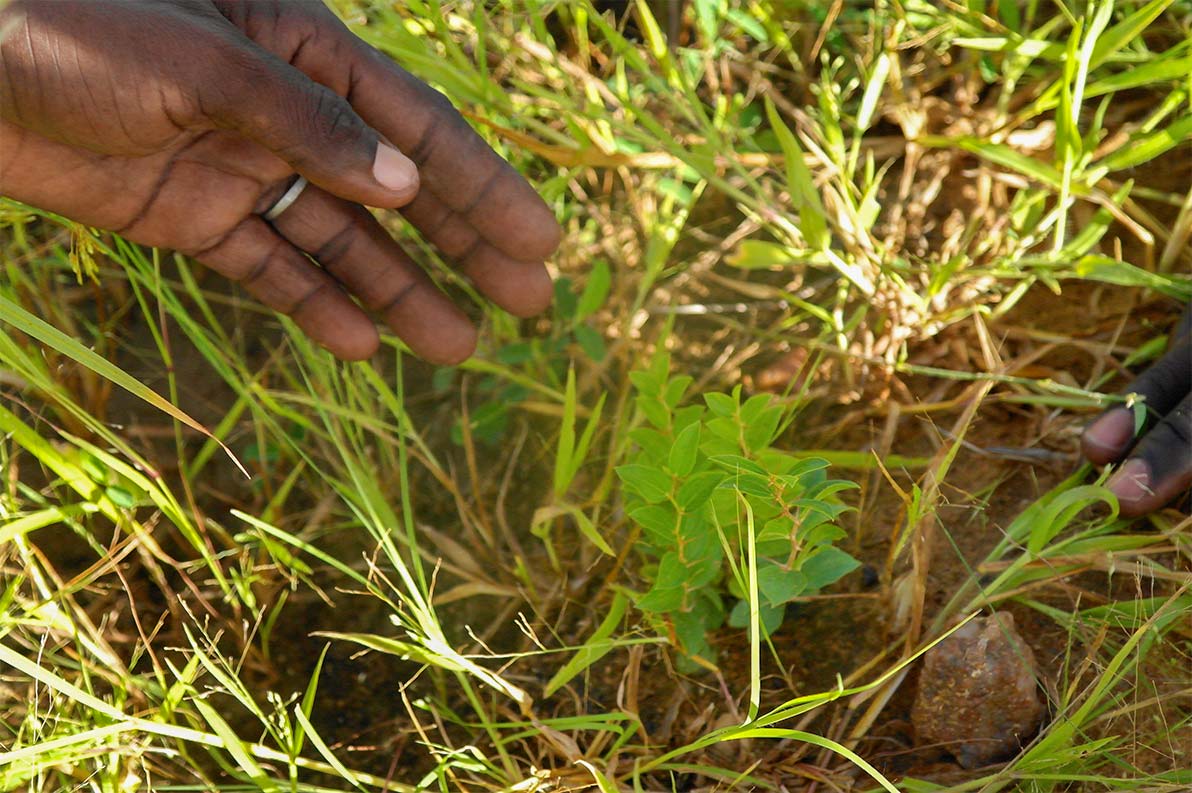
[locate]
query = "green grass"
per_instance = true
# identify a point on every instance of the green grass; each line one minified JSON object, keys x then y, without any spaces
{"x":909,"y":174}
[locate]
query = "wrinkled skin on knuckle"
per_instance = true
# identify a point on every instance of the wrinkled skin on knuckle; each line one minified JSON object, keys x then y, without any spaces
{"x":227,"y":84}
{"x":114,"y":79}
{"x":1170,"y":377}
{"x":333,"y":119}
{"x":1174,"y":437}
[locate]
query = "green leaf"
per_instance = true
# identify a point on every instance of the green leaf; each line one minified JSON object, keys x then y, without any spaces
{"x":692,"y":632}
{"x":1145,"y":148}
{"x":308,"y":699}
{"x":672,"y":572}
{"x":721,"y":404}
{"x":726,"y":429}
{"x":1007,"y":12}
{"x":735,"y":463}
{"x":692,"y":627}
{"x":760,"y":431}
{"x":779,"y":585}
{"x":659,"y":521}
{"x":813,"y":224}
{"x":650,"y":483}
{"x":698,"y":539}
{"x":686,"y":416}
{"x":999,"y":154}
{"x":675,"y":389}
{"x":873,"y":92}
{"x":50,"y":336}
{"x":770,"y":617}
{"x":647,"y":383}
{"x":595,"y":290}
{"x":1059,"y":511}
{"x":1126,"y":31}
{"x":661,"y":599}
{"x":750,"y":485}
{"x":1096,"y":267}
{"x":237,"y":748}
{"x":585,"y":439}
{"x":820,"y":534}
{"x":121,"y":496}
{"x":595,"y":648}
{"x":707,"y":17}
{"x":748,"y":24}
{"x":653,"y":445}
{"x":759,"y":255}
{"x":701,"y":573}
{"x":827,"y":566}
{"x":655,"y":410}
{"x":696,"y":491}
{"x":1159,"y":70}
{"x":589,"y":530}
{"x":779,"y":528}
{"x":684,"y":450}
{"x":566,"y":443}
{"x":590,"y":341}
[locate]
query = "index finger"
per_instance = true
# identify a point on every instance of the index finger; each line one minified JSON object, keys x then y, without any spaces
{"x":454,"y":162}
{"x":1163,"y":385}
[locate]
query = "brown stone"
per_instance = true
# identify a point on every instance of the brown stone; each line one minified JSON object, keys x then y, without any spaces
{"x":978,"y":693}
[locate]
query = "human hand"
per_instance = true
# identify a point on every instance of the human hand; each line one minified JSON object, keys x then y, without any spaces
{"x":1159,"y":467}
{"x":177,"y":123}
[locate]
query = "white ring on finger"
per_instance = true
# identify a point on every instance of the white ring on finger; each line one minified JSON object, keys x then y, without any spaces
{"x":287,"y":198}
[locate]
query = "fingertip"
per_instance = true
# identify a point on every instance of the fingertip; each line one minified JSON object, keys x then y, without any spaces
{"x":543,"y":238}
{"x":432,"y":326}
{"x":357,"y":346}
{"x":453,"y":349}
{"x":1132,"y":486}
{"x":534,"y":294}
{"x":522,"y":227}
{"x":343,"y":330}
{"x":1109,"y":437}
{"x":396,"y":173}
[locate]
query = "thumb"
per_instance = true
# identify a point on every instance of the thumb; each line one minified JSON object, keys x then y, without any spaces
{"x":312,"y":128}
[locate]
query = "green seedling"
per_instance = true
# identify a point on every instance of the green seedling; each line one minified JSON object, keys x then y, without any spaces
{"x":692,"y":476}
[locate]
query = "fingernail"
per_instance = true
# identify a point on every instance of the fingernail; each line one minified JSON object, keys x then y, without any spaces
{"x":1132,"y":482}
{"x":395,"y":171}
{"x":1112,"y":432}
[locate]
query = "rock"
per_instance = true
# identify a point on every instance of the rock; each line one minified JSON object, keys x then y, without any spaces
{"x":978,"y":694}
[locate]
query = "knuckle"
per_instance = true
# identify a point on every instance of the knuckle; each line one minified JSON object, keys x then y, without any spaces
{"x":438,"y":103}
{"x":254,"y":270}
{"x":333,"y":251}
{"x":395,"y":300}
{"x":1167,"y":379}
{"x":308,"y":296}
{"x":1179,"y":424}
{"x":1170,"y":442}
{"x":442,"y":121}
{"x":333,"y":118}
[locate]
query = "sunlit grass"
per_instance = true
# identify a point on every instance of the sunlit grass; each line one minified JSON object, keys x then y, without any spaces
{"x":855,"y":181}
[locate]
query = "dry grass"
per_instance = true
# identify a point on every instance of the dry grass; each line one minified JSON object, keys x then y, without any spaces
{"x":891,"y":219}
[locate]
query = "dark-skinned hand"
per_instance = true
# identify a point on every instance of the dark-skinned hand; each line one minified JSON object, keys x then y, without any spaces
{"x":176,"y":123}
{"x":1158,"y":463}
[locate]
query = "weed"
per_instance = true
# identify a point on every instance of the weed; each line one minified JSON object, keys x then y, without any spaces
{"x":698,"y":480}
{"x":900,"y":189}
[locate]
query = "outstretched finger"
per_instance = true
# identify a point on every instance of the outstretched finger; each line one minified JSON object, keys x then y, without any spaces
{"x":356,"y":250}
{"x":1160,"y":467}
{"x":284,"y":279}
{"x":522,"y":288}
{"x":258,"y":95}
{"x":1162,"y":386}
{"x":454,"y":162}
